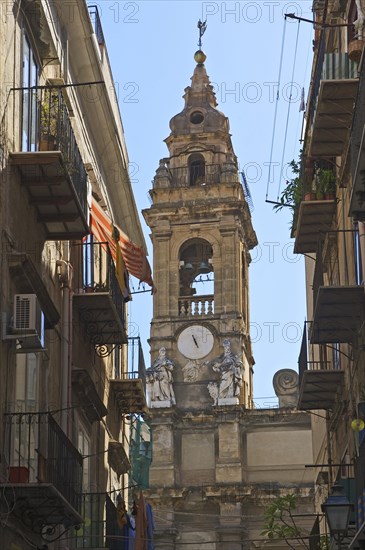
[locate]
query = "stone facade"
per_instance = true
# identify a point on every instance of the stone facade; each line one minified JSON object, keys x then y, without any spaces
{"x":62,"y":434}
{"x":217,"y":462}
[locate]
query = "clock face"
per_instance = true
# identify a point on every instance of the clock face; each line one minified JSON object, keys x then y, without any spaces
{"x":195,"y":342}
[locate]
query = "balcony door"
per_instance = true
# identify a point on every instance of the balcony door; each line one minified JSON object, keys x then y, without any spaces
{"x":29,"y":101}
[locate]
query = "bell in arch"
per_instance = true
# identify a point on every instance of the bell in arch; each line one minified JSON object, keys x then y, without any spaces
{"x":204,"y":267}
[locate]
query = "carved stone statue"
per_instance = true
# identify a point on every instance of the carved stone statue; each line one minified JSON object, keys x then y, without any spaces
{"x":159,"y":379}
{"x":230,"y":368}
{"x":191,"y":371}
{"x":286,"y":386}
{"x":359,"y":23}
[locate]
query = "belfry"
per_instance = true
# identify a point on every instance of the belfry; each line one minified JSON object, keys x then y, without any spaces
{"x":200,"y":388}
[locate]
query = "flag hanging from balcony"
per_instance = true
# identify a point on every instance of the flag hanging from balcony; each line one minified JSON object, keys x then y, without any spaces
{"x":133,"y":256}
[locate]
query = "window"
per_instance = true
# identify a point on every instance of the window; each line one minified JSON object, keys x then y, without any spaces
{"x":196,"y":170}
{"x":26,"y":382}
{"x":196,"y":117}
{"x":25,"y":433}
{"x":29,"y":103}
{"x":83,"y":444}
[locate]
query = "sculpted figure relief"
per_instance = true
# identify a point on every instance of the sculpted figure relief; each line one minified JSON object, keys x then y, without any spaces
{"x":359,"y":23}
{"x":230,"y":368}
{"x":159,"y":379}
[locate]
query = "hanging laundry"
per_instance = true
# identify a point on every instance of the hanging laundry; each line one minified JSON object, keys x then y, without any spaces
{"x":141,"y":525}
{"x":150,"y":527}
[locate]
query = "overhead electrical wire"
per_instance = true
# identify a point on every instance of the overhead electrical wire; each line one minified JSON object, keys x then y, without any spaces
{"x":276,"y":108}
{"x":289,"y":108}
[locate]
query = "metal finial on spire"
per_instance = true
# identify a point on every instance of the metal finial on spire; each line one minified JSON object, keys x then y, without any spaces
{"x":202,"y":26}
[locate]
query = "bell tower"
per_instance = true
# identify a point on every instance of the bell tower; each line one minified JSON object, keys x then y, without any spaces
{"x":202,"y":233}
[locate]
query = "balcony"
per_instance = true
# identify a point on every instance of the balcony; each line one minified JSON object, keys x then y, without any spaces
{"x":129,"y":388}
{"x":44,"y":472}
{"x":357,"y":203}
{"x":338,"y":314}
{"x":50,"y":165}
{"x":197,"y":306}
{"x":193,"y":176}
{"x":314,"y":218}
{"x":319,"y":384}
{"x":332,"y":103}
{"x":101,"y":529}
{"x":99,"y":300}
{"x":88,"y":395}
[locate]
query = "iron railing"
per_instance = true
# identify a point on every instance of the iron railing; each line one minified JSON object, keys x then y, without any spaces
{"x":136,"y":362}
{"x":140,"y":453}
{"x":100,"y":528}
{"x":45,"y":115}
{"x":303,"y":363}
{"x":96,"y":273}
{"x":246,"y":191}
{"x":329,"y":66}
{"x":358,"y":121}
{"x":38,"y":451}
{"x":330,"y":264}
{"x":194,"y":176}
{"x":96,"y":22}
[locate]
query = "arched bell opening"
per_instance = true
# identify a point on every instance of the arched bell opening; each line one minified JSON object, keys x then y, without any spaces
{"x":196,"y":277}
{"x":196,"y":169}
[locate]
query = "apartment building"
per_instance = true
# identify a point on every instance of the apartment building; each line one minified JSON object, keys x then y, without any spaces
{"x":70,"y":235}
{"x":329,"y":232}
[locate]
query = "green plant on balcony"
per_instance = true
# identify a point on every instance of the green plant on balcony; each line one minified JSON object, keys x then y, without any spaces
{"x":325,"y":184}
{"x":49,"y":104}
{"x":291,"y":195}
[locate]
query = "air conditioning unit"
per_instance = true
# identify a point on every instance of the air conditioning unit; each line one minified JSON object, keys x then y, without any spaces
{"x":28,"y":322}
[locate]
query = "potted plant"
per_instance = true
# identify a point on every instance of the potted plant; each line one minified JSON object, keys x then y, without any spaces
{"x":291,"y":195}
{"x":355,"y":49}
{"x":49,"y":111}
{"x":326,"y":184}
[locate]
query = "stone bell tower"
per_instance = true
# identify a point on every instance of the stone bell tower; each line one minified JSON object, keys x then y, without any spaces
{"x":200,"y":380}
{"x":201,"y":233}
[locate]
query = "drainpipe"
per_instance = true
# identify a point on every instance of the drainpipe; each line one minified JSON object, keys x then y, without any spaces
{"x":64,"y":274}
{"x":361,"y":226}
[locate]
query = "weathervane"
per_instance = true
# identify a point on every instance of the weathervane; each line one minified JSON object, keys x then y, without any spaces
{"x":202,"y":26}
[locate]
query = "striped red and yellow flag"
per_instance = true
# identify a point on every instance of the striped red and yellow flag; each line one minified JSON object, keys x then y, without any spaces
{"x":133,"y":255}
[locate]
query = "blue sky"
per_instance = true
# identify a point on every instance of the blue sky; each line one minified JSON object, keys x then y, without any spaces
{"x":151,"y":46}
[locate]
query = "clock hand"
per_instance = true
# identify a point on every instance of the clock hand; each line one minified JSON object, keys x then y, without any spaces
{"x":195,"y":342}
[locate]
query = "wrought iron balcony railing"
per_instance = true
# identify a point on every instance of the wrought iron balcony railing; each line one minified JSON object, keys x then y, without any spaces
{"x":43,"y":464}
{"x":52,"y":125}
{"x":320,"y":380}
{"x":96,"y":21}
{"x":50,"y":163}
{"x":100,"y":528}
{"x":129,"y":387}
{"x":99,"y":295}
{"x":136,"y":362}
{"x":193,"y":176}
{"x":330,"y":111}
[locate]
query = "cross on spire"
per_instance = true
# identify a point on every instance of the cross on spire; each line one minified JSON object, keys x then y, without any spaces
{"x":202,"y":26}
